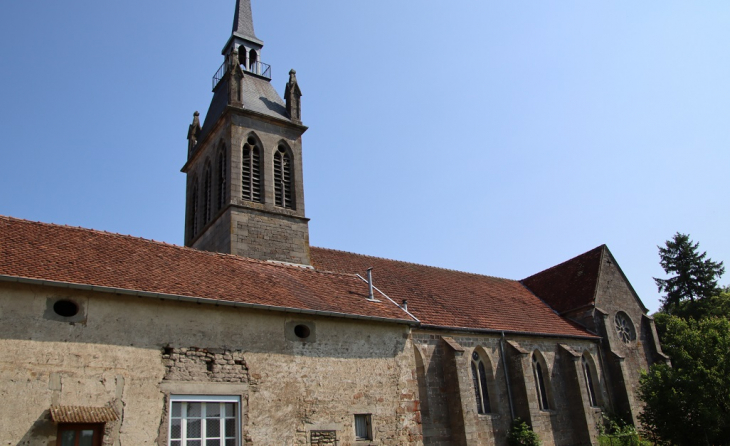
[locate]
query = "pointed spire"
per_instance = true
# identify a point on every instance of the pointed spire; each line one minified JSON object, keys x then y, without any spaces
{"x":243,"y":20}
{"x":292,"y":95}
{"x":243,"y":33}
{"x":193,"y":133}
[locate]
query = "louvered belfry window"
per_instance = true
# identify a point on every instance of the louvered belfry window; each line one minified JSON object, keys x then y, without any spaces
{"x":283,"y":194}
{"x":251,"y":171}
{"x":222,"y":168}
{"x":194,"y":209}
{"x":207,"y":188}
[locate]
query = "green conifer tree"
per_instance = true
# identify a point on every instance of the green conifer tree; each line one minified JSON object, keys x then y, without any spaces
{"x":694,"y":275}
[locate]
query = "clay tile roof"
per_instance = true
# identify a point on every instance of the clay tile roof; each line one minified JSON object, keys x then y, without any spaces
{"x":447,"y":298}
{"x":83,"y":256}
{"x":570,"y":285}
{"x":80,"y":414}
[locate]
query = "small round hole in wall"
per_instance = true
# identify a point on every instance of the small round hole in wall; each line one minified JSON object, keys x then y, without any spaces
{"x":66,"y":308}
{"x":302,"y":331}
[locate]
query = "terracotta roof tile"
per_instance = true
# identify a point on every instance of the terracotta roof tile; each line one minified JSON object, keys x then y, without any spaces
{"x":82,"y":414}
{"x":570,"y":285}
{"x":83,"y":256}
{"x":450,"y":298}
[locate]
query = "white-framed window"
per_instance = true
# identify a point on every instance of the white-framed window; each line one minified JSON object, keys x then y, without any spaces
{"x":204,"y":420}
{"x":363,"y":426}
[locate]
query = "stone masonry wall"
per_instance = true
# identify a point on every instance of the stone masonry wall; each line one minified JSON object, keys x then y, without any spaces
{"x":554,"y":426}
{"x":263,"y":230}
{"x":267,"y":236}
{"x":625,"y":360}
{"x":134,"y":353}
{"x":200,"y":364}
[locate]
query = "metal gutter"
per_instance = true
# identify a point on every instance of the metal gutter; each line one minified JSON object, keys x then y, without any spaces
{"x":198,"y":300}
{"x":518,"y":333}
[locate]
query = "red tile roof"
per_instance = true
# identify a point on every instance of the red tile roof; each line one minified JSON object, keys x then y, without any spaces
{"x":83,"y":256}
{"x":570,"y":285}
{"x":83,"y":414}
{"x":449,"y":298}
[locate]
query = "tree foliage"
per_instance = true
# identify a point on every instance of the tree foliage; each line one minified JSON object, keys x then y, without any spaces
{"x":688,"y":403}
{"x":693,"y":275}
{"x":713,"y":306}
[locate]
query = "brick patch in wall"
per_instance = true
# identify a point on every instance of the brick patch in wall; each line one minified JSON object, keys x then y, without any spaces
{"x":323,"y":437}
{"x":199,"y":364}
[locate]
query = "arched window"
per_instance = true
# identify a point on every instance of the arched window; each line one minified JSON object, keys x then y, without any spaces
{"x":251,"y":171}
{"x":540,"y":383}
{"x":194,"y":209}
{"x":207,"y":193}
{"x":222,"y":173}
{"x":588,"y":374}
{"x":479,"y":377}
{"x":283,"y":194}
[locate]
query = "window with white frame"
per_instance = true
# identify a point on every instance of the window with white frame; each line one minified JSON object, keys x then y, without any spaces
{"x":197,"y":420}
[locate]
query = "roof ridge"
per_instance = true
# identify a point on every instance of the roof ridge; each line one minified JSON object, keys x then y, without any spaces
{"x":563,"y":263}
{"x":171,"y":245}
{"x":416,"y":264}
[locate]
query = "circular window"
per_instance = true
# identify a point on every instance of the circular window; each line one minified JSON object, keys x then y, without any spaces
{"x":66,"y":308}
{"x":625,"y":328}
{"x":302,"y":331}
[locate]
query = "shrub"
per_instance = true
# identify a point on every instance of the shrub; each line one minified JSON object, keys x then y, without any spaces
{"x":614,"y":431}
{"x":521,"y":434}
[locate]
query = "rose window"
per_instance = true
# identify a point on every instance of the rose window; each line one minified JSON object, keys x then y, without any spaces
{"x":625,"y":328}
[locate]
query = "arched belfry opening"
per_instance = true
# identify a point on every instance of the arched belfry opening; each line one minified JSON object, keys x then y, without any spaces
{"x":247,"y":158}
{"x":253,"y":61}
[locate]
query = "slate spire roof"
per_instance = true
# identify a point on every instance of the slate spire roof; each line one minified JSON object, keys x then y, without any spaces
{"x":243,"y":20}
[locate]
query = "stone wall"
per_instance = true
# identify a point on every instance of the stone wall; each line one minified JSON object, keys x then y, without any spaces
{"x":263,"y":230}
{"x":266,"y":236}
{"x":570,"y":419}
{"x":624,"y":360}
{"x":133,"y":354}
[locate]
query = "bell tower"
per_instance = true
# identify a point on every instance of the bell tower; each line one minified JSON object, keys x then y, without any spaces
{"x":245,"y":188}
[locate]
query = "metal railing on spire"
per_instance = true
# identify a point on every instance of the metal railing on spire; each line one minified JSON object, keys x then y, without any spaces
{"x":257,"y":68}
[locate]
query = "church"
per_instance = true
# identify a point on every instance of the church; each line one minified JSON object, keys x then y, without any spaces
{"x":247,"y":335}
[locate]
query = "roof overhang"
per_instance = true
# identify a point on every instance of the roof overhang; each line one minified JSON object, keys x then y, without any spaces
{"x":198,"y":300}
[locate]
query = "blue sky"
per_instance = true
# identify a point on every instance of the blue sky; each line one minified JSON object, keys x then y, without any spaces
{"x":497,"y":137}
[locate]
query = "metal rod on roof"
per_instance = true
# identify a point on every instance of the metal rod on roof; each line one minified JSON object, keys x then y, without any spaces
{"x":370,"y":284}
